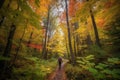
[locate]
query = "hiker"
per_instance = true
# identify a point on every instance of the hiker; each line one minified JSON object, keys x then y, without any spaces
{"x":59,"y":62}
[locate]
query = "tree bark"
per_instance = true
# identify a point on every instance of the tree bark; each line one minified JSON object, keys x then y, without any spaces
{"x":68,"y":53}
{"x":95,"y":29}
{"x":75,"y":49}
{"x":69,"y":35}
{"x":75,"y":38}
{"x":44,"y":52}
{"x":2,"y":20}
{"x":89,"y":40}
{"x":1,"y":3}
{"x":19,"y":46}
{"x":9,"y":42}
{"x":29,"y":41}
{"x":4,"y":63}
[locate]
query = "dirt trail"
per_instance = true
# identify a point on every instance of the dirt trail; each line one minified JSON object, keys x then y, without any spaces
{"x":59,"y":74}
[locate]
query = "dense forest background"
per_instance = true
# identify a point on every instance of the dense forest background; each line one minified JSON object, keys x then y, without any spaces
{"x":34,"y":33}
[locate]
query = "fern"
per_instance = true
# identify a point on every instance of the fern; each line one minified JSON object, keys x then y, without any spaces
{"x":90,"y":57}
{"x":93,"y":71}
{"x":114,"y":60}
{"x":101,"y":66}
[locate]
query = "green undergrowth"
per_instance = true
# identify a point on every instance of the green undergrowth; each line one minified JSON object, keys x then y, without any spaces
{"x":33,"y":68}
{"x":77,"y":73}
{"x":88,"y":69}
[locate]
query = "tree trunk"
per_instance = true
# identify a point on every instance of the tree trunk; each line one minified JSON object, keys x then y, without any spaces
{"x":75,"y":38}
{"x":44,"y":52}
{"x":19,"y":46}
{"x":79,"y":52}
{"x":69,"y":36}
{"x":29,"y":41}
{"x":68,"y":53}
{"x":9,"y":42}
{"x":2,"y":20}
{"x":95,"y":29}
{"x":89,"y":41}
{"x":1,"y":3}
{"x":75,"y":48}
{"x":4,"y":63}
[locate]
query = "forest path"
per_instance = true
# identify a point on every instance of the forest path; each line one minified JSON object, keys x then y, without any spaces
{"x":59,"y":74}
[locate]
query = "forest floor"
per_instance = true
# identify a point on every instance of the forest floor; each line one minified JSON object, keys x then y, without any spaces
{"x":59,"y":74}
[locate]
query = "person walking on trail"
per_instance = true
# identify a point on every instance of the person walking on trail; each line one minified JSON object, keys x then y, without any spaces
{"x":59,"y":62}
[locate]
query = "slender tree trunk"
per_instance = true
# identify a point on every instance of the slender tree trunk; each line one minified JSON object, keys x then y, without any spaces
{"x":48,"y":40}
{"x":67,"y":49}
{"x":69,"y":35}
{"x":5,"y":68}
{"x":1,"y":3}
{"x":2,"y":20}
{"x":89,"y":41}
{"x":29,"y":41}
{"x":4,"y":63}
{"x":9,"y":42}
{"x":75,"y":45}
{"x":44,"y":52}
{"x":78,"y":44}
{"x":75,"y":38}
{"x":19,"y":46}
{"x":95,"y":29}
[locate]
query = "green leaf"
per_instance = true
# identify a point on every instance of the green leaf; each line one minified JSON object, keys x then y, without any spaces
{"x":117,"y":71}
{"x":101,"y":76}
{"x":113,"y":60}
{"x":107,"y":71}
{"x":81,"y":62}
{"x":90,"y":57}
{"x":93,"y":71}
{"x":101,"y":66}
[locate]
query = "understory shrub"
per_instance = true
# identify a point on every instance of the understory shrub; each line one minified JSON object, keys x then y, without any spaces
{"x":87,"y":69}
{"x":77,"y":73}
{"x":37,"y":70}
